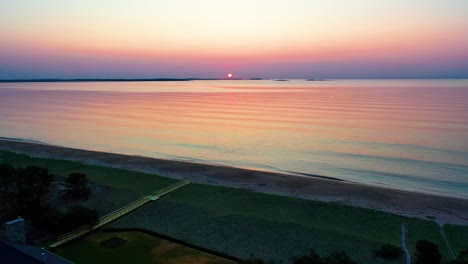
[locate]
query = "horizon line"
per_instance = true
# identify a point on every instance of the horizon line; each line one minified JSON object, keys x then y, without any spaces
{"x":207,"y":79}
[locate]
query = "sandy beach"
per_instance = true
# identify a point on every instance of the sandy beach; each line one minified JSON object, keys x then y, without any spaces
{"x":427,"y":206}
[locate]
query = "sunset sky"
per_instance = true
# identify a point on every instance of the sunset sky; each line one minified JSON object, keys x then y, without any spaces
{"x":208,"y":39}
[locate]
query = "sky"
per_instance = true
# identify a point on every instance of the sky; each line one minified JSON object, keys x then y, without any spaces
{"x":208,"y":39}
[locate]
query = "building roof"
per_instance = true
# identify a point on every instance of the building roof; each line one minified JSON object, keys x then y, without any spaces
{"x":15,"y":221}
{"x":9,"y":255}
{"x":18,"y":253}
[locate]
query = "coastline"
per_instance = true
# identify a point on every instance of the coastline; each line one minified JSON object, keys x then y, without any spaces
{"x":442,"y":209}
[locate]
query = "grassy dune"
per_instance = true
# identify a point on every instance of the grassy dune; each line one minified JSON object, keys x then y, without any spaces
{"x":240,"y":222}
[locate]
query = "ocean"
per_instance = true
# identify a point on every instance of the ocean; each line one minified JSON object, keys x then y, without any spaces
{"x":403,"y":134}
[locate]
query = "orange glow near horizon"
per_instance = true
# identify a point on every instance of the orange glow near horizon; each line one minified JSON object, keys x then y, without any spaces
{"x":207,"y":38}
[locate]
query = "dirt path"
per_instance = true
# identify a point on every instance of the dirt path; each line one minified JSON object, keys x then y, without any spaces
{"x":403,"y":244}
{"x":447,"y":243}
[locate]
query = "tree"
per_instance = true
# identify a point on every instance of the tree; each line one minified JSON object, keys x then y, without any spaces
{"x":310,"y":258}
{"x":388,"y":252}
{"x":6,"y":176}
{"x":50,"y":221}
{"x":427,"y":253}
{"x":78,"y":216}
{"x":28,"y":195}
{"x":77,"y":186}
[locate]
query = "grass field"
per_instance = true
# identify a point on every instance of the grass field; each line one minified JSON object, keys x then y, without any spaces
{"x":458,"y":237}
{"x":139,"y":248}
{"x":240,"y":223}
{"x":117,"y":178}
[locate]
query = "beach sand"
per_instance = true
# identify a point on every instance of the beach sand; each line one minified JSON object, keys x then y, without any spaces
{"x":441,"y":209}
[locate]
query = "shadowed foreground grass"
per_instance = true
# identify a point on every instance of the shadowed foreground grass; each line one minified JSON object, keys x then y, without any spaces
{"x":240,"y":222}
{"x":139,"y":248}
{"x":458,"y":237}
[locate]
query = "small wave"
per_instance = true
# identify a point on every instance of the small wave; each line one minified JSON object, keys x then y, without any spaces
{"x":313,"y":175}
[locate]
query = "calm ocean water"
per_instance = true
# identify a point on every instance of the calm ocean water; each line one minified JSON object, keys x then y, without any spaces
{"x":405,"y":134}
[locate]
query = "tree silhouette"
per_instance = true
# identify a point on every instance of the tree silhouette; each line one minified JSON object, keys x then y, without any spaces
{"x":28,"y":193}
{"x":6,"y":176}
{"x":77,"y":186}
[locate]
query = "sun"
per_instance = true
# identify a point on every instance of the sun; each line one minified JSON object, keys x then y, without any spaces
{"x":230,"y":75}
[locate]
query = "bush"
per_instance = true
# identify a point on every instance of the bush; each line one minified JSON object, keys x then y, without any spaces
{"x":78,"y":216}
{"x":388,"y":252}
{"x":57,"y":222}
{"x":310,"y":258}
{"x":427,"y":253}
{"x":334,"y":258}
{"x":338,"y":258}
{"x":49,"y":221}
{"x":462,"y":258}
{"x":254,"y":260}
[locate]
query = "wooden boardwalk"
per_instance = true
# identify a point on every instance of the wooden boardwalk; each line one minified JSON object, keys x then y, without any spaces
{"x":81,"y":231}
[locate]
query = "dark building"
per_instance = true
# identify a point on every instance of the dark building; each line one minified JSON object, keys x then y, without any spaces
{"x":9,"y":255}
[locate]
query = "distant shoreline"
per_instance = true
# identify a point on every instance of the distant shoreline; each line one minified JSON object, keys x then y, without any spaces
{"x":202,"y":79}
{"x":106,"y":80}
{"x":442,"y":209}
{"x":143,"y":80}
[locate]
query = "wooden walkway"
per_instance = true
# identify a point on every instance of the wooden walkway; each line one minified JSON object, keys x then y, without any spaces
{"x":118,"y":213}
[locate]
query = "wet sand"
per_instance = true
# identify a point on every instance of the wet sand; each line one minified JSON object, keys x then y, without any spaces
{"x":427,"y":206}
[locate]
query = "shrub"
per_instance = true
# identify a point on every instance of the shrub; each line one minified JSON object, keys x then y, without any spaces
{"x":78,"y":216}
{"x":427,"y":252}
{"x":388,"y":252}
{"x":310,"y":258}
{"x":254,"y":260}
{"x":49,"y":220}
{"x":338,"y":258}
{"x":462,"y":258}
{"x":334,"y":258}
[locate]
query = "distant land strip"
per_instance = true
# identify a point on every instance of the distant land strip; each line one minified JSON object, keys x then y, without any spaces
{"x":107,"y":80}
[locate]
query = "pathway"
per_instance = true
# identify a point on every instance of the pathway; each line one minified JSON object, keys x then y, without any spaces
{"x":403,"y":244}
{"x":447,"y":243}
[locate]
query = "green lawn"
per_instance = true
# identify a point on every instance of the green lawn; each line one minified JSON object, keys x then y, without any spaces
{"x":139,"y":248}
{"x":243,"y":223}
{"x":240,"y":222}
{"x":117,"y":178}
{"x":458,"y":237}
